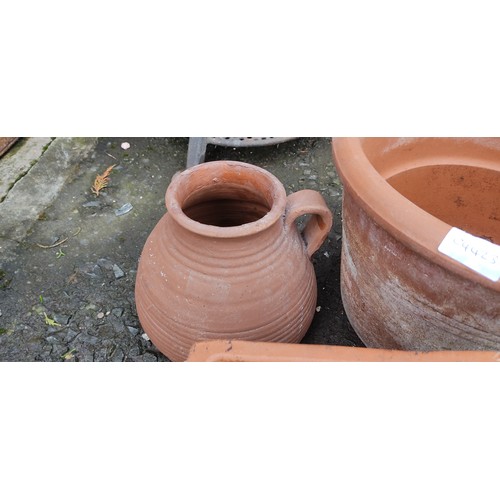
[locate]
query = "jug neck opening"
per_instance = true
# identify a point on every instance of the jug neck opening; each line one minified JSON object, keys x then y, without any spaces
{"x":225,"y":199}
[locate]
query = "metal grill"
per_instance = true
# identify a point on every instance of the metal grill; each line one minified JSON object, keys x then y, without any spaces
{"x":235,"y":142}
{"x":198,"y":145}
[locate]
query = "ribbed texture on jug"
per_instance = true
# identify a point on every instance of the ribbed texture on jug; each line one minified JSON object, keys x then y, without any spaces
{"x":185,"y":295}
{"x":223,"y":264}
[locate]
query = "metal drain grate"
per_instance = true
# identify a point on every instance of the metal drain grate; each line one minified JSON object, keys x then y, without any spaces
{"x":198,"y":145}
{"x":235,"y":142}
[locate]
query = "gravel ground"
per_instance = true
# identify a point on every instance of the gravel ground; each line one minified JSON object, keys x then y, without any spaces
{"x":67,"y":284}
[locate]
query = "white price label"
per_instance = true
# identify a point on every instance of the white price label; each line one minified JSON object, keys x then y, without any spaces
{"x":475,"y":253}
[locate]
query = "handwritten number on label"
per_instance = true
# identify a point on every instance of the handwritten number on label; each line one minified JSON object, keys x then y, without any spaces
{"x":475,"y":253}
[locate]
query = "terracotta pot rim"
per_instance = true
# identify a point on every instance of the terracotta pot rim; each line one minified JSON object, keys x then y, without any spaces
{"x":390,"y":209}
{"x":174,"y":204}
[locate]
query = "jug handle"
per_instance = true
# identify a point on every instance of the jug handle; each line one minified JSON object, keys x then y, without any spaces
{"x":318,"y":226}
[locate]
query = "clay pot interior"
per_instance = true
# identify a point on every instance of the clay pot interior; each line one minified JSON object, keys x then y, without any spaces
{"x":459,"y":193}
{"x":226,"y":199}
{"x":221,"y":207}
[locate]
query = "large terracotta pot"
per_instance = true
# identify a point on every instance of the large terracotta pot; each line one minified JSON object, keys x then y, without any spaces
{"x":227,"y":261}
{"x":408,"y":280}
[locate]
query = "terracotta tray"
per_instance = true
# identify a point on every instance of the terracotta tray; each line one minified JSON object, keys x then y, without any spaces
{"x":238,"y":350}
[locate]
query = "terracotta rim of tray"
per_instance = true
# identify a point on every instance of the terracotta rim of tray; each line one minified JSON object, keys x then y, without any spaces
{"x":239,"y":350}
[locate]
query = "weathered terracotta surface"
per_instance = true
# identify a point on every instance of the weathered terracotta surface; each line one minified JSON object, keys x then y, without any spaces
{"x":226,"y":350}
{"x":227,"y":261}
{"x":6,"y":143}
{"x":401,"y":198}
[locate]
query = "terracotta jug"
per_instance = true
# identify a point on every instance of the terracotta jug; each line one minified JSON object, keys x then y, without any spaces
{"x":227,"y":260}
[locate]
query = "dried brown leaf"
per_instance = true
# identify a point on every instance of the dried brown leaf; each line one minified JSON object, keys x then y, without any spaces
{"x":101,"y":181}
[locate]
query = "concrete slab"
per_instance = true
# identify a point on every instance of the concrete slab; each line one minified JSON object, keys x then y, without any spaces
{"x":35,"y":174}
{"x":19,"y":160}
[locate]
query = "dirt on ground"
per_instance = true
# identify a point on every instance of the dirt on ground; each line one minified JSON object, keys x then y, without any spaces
{"x":67,"y":293}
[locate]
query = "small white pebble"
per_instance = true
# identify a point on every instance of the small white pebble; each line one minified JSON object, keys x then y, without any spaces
{"x":108,"y":313}
{"x":125,"y":145}
{"x":100,"y":315}
{"x":145,"y":336}
{"x":326,"y":254}
{"x":318,"y":309}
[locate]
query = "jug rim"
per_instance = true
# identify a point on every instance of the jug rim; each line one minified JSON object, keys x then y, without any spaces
{"x":218,"y":172}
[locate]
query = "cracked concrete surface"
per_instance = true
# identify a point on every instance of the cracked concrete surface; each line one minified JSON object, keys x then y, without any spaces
{"x":19,"y":160}
{"x":32,"y":176}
